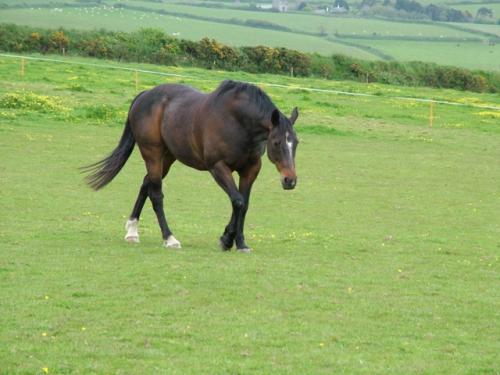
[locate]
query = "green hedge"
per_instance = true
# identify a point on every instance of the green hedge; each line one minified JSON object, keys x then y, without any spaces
{"x":154,"y":46}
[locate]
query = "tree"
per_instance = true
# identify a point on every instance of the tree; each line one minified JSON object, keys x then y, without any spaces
{"x":410,"y":6}
{"x":434,"y":12}
{"x":484,"y":13}
{"x":302,"y":5}
{"x":341,"y":4}
{"x":59,"y":41}
{"x":368,"y":3}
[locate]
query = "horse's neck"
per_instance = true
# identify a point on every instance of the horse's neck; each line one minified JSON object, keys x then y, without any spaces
{"x":259,"y":134}
{"x":251,"y":120}
{"x":256,"y":132}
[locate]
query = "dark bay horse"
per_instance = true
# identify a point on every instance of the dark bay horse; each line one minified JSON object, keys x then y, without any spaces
{"x":221,"y":132}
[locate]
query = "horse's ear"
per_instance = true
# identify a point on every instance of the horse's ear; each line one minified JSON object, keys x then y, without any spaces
{"x":275,"y":117}
{"x":295,"y":114}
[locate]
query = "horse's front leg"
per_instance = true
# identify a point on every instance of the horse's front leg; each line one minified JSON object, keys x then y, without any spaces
{"x":223,"y":176}
{"x":227,"y":238}
{"x":247,"y":178}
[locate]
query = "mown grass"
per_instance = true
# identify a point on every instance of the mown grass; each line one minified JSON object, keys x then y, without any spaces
{"x":383,"y":260}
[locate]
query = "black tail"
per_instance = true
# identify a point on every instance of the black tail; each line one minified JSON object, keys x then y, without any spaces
{"x":102,"y":172}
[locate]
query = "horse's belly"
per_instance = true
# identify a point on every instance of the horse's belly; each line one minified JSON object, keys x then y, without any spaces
{"x":182,"y":146}
{"x":190,"y":162}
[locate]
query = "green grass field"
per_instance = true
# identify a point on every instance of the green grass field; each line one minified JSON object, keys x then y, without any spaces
{"x":477,"y":55}
{"x":491,"y":29}
{"x":312,"y":23}
{"x":383,"y":260}
{"x":126,"y":20}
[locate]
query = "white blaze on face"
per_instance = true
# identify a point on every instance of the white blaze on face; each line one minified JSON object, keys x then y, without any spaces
{"x":289,"y":145}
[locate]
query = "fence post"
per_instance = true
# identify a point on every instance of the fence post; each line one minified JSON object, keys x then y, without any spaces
{"x":431,"y":114}
{"x":22,"y":67}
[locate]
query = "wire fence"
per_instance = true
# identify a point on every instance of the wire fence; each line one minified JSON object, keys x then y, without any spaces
{"x":287,"y":87}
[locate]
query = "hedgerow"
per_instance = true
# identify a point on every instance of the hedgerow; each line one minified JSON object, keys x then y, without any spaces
{"x":154,"y":46}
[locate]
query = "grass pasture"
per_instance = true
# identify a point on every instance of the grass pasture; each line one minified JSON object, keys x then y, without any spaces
{"x":491,"y":29}
{"x":434,"y":42}
{"x":383,"y":260}
{"x":479,"y":55}
{"x":310,"y":23}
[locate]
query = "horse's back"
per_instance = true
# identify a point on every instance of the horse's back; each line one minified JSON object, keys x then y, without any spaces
{"x":163,"y":95}
{"x":164,"y":117}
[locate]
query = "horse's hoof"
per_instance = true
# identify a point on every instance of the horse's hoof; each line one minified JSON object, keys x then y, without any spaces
{"x":223,"y":246}
{"x":172,"y":243}
{"x":132,"y":239}
{"x":245,"y":250}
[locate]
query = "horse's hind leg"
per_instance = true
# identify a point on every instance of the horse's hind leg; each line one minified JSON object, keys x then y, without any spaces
{"x":132,"y":223}
{"x":157,"y":165}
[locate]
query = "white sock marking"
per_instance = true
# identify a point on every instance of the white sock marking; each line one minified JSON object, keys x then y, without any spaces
{"x":132,"y":227}
{"x":172,"y":242}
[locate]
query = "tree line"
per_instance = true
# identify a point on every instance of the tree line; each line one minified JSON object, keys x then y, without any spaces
{"x":154,"y":46}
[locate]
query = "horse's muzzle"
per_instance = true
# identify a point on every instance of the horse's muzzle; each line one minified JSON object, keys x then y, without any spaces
{"x":288,"y":183}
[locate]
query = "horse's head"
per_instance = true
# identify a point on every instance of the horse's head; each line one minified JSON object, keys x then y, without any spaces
{"x":281,"y":146}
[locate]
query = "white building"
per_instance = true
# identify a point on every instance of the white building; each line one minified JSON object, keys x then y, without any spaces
{"x":280,"y":5}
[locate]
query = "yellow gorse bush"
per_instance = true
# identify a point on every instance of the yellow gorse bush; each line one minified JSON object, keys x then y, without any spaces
{"x":28,"y":100}
{"x":491,"y":114}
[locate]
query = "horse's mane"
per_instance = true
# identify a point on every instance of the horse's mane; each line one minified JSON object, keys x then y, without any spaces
{"x":258,"y":97}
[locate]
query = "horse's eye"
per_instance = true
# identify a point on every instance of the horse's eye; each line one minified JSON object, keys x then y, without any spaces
{"x":276,"y":143}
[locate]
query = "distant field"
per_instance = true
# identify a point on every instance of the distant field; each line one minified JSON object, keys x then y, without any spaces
{"x":125,"y":20}
{"x":467,"y":55}
{"x":491,"y":29}
{"x":313,"y":23}
{"x":379,"y":33}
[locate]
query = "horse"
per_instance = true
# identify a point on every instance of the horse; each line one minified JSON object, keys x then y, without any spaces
{"x":225,"y":131}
